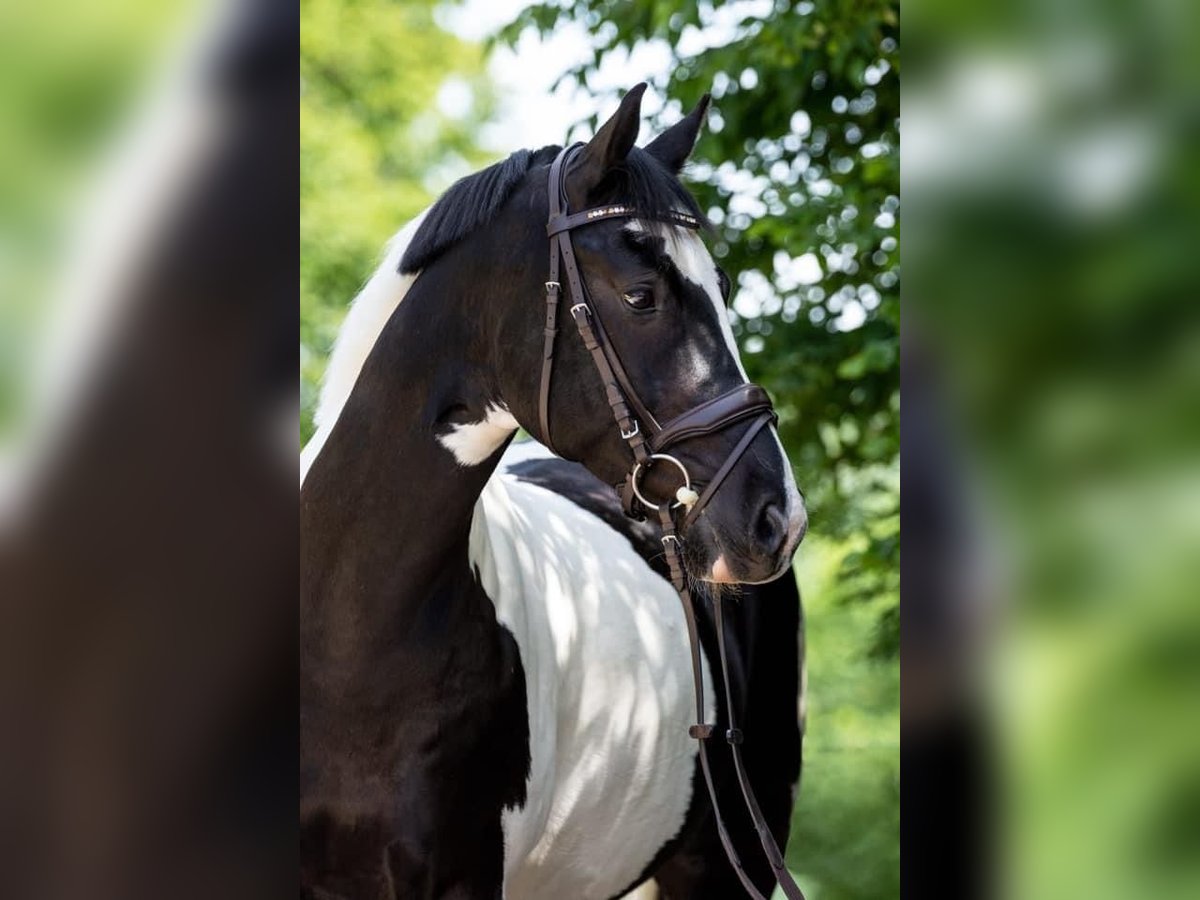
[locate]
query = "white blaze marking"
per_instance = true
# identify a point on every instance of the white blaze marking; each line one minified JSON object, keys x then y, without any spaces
{"x":693,"y":260}
{"x":473,"y":442}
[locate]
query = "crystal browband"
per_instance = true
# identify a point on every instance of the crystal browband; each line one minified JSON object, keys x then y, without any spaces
{"x":565,"y":223}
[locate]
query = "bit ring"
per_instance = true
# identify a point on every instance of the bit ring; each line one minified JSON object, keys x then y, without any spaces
{"x":638,"y":468}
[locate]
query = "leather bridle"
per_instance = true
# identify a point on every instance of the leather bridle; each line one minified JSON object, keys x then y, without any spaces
{"x":648,"y":441}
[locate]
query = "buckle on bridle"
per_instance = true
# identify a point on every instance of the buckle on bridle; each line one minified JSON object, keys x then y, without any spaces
{"x":553,"y":286}
{"x":582,"y":306}
{"x":631,"y":434}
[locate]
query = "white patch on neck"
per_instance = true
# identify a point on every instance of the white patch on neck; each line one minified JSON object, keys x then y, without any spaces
{"x":691,"y":257}
{"x":368,"y":314}
{"x":473,"y":442}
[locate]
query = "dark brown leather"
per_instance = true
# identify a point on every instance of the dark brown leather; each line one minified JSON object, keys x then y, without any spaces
{"x":726,"y":467}
{"x":743,"y":402}
{"x":560,"y":222}
{"x":703,"y":732}
{"x":553,"y":289}
{"x":734,"y":738}
{"x":612,"y":391}
{"x":645,"y":416}
{"x":553,"y":295}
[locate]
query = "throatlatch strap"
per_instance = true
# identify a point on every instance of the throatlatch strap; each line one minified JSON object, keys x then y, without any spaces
{"x":553,"y":293}
{"x":618,"y":389}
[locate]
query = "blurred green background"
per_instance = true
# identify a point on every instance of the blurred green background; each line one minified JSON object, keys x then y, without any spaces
{"x":1052,"y":190}
{"x":69,"y":71}
{"x":799,"y":168}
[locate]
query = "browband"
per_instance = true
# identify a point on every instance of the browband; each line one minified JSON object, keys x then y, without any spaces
{"x":562,"y":223}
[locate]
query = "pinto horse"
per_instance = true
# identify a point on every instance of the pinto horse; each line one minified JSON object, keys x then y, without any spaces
{"x":495,"y":674}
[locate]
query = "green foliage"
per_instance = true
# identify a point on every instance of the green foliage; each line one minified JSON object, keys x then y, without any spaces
{"x":374,"y":148}
{"x":845,"y":841}
{"x":799,"y":162}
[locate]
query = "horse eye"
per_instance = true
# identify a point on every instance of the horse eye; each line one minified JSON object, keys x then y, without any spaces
{"x":638,"y":299}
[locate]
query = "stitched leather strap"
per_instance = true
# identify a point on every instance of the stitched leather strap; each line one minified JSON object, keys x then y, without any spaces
{"x":550,"y":332}
{"x":726,"y":467}
{"x":618,"y":388}
{"x":741,"y":402}
{"x":560,"y":222}
{"x":582,"y":315}
{"x":616,"y":382}
{"x":771,"y":849}
{"x":553,"y":293}
{"x":703,"y":731}
{"x":721,"y":412}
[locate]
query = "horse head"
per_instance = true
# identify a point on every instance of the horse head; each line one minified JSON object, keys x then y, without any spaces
{"x":654,"y":300}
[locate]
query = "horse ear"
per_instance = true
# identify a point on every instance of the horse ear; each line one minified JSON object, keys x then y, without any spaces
{"x":675,"y":145}
{"x":610,"y":145}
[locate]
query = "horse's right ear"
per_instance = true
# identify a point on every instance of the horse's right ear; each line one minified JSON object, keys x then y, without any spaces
{"x":611,"y":145}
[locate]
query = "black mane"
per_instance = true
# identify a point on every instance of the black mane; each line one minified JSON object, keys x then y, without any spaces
{"x":473,"y":201}
{"x":468,"y":204}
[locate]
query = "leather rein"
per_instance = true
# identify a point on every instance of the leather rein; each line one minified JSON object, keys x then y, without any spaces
{"x":648,"y":441}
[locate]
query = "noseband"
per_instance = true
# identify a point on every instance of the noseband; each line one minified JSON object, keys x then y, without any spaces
{"x":649,"y":441}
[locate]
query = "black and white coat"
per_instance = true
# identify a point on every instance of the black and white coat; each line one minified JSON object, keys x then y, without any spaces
{"x":510,"y":666}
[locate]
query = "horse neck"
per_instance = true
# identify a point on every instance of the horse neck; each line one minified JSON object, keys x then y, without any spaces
{"x":387,"y":506}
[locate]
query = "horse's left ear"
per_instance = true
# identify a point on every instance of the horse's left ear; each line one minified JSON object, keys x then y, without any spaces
{"x":610,"y":145}
{"x":675,"y":145}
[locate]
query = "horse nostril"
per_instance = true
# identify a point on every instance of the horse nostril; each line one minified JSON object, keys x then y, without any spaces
{"x":773,"y":528}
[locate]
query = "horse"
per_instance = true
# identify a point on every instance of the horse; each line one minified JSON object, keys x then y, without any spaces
{"x":495,"y":687}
